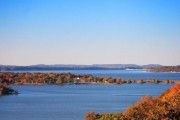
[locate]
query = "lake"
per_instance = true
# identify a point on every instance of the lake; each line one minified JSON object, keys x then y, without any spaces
{"x":124,"y":74}
{"x":72,"y":102}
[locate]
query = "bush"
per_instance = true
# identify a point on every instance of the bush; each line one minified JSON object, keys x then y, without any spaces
{"x":164,"y":107}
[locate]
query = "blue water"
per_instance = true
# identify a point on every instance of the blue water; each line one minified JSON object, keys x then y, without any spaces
{"x":125,"y":74}
{"x":72,"y":102}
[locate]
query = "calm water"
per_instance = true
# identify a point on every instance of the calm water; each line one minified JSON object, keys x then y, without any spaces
{"x":72,"y":102}
{"x":125,"y":74}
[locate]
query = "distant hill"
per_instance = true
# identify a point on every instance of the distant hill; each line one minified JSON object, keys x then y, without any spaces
{"x":151,"y":67}
{"x":118,"y":66}
{"x":166,"y":69}
{"x":70,"y":67}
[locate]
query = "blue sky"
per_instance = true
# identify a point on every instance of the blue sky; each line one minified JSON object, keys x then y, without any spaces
{"x":89,"y":32}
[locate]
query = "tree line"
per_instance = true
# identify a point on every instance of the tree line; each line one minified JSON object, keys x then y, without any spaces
{"x":63,"y":78}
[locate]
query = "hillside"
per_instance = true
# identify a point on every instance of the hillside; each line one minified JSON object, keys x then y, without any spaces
{"x":166,"y":69}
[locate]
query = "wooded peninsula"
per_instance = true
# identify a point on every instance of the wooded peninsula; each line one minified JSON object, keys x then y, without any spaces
{"x":7,"y":78}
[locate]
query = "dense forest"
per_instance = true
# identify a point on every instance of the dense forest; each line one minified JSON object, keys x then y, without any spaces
{"x":164,"y":107}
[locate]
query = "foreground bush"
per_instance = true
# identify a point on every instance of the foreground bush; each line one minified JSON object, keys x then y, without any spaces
{"x":104,"y":116}
{"x":164,"y":107}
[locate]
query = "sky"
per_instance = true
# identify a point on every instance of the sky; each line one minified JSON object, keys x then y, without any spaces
{"x":89,"y":32}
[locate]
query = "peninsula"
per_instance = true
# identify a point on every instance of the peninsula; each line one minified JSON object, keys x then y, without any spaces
{"x":68,"y":78}
{"x":5,"y":88}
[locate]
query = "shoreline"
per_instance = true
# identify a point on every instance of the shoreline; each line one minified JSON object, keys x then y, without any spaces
{"x":89,"y":83}
{"x":40,"y":79}
{"x":44,"y":71}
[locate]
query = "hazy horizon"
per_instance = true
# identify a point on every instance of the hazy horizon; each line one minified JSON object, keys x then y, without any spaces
{"x":89,"y":32}
{"x":88,"y":64}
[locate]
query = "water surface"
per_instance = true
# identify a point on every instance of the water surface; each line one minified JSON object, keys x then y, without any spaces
{"x":72,"y":102}
{"x":125,"y":74}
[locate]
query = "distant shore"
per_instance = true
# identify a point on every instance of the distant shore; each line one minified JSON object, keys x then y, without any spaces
{"x":42,"y":67}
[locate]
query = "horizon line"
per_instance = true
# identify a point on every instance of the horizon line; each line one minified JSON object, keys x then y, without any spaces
{"x":90,"y":64}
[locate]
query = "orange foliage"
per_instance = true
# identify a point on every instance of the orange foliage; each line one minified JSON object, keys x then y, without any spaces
{"x":170,"y":93}
{"x":165,"y":107}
